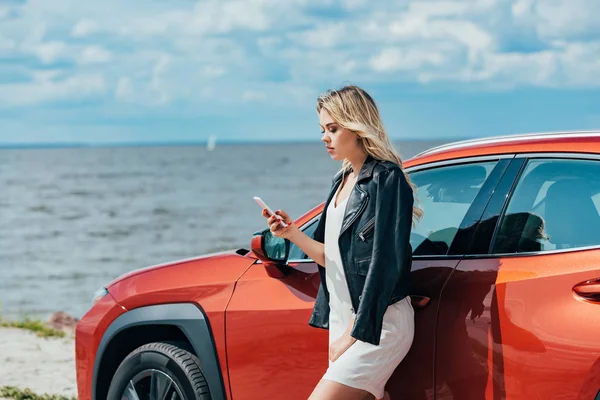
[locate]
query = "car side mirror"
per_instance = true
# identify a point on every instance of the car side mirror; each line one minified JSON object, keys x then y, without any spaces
{"x":272,"y":251}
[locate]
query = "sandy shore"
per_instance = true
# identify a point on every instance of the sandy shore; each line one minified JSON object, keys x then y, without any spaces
{"x":44,"y":365}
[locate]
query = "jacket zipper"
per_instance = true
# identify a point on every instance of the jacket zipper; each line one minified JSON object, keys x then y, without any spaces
{"x":368,"y":226}
{"x":344,"y":263}
{"x":362,"y":206}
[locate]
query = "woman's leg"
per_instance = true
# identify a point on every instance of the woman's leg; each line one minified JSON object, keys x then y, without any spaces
{"x":331,"y":390}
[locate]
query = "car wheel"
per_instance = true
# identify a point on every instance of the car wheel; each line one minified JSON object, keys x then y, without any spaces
{"x":161,"y":371}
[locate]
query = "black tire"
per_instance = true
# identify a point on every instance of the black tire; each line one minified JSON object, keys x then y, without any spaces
{"x":171,"y":363}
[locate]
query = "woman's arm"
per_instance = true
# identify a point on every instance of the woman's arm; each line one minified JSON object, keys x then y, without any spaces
{"x":313,"y":249}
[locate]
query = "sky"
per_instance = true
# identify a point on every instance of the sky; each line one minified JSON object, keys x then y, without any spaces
{"x":122,"y":71}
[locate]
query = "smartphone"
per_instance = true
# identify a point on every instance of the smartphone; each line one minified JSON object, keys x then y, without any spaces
{"x":262,"y":204}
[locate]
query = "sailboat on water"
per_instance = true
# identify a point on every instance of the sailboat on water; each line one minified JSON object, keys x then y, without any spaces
{"x":212,"y":140}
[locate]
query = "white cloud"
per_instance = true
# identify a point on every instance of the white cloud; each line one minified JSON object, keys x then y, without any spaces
{"x":533,"y":68}
{"x":44,"y":89}
{"x":567,"y":65}
{"x":6,"y":44}
{"x":439,"y":8}
{"x":327,"y":36}
{"x":94,"y":55}
{"x":521,"y":8}
{"x":47,"y":75}
{"x":221,"y":17}
{"x":455,"y":35}
{"x":50,"y":51}
{"x":157,"y":84}
{"x":463,"y":41}
{"x":393,"y":59}
{"x":252,"y":95}
{"x":215,"y":17}
{"x":212,"y":71}
{"x":354,"y":4}
{"x":4,"y":11}
{"x":581,"y":64}
{"x":167,"y":51}
{"x":84,"y":28}
{"x":566,"y":19}
{"x":125,"y":91}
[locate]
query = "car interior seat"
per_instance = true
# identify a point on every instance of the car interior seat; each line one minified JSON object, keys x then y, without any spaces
{"x":572,"y":219}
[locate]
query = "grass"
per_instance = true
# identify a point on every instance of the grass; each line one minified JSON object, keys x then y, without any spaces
{"x":42,"y":330}
{"x":35,"y":325}
{"x":14,"y":393}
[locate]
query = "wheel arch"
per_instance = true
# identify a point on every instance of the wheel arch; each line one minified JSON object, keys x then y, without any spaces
{"x":184,"y":322}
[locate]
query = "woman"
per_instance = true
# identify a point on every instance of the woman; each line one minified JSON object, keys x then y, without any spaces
{"x":362,"y":247}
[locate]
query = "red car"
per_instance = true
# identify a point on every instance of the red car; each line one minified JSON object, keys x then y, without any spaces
{"x":506,"y":273}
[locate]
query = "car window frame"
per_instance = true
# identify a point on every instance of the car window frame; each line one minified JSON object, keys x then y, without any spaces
{"x":477,"y":207}
{"x":525,"y":158}
{"x":305,"y":226}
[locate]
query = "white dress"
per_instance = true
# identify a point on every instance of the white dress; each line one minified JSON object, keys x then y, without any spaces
{"x":363,"y":365}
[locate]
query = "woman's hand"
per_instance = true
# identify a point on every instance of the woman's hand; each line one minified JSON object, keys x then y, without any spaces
{"x":338,"y":347}
{"x":276,"y":228}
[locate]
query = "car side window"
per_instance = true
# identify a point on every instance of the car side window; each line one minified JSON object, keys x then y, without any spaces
{"x":555,"y":205}
{"x":445,"y":195}
{"x":295,"y":252}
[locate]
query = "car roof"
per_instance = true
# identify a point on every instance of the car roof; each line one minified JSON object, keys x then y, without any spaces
{"x":562,"y":141}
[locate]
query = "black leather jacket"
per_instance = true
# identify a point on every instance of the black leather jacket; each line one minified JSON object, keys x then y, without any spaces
{"x":374,"y":245}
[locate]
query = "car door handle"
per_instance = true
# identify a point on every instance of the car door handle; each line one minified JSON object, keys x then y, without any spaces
{"x":589,"y":290}
{"x":419,"y":302}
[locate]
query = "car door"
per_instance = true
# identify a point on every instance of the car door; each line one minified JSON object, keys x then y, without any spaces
{"x":519,"y":316}
{"x":272,"y":352}
{"x":452,"y":195}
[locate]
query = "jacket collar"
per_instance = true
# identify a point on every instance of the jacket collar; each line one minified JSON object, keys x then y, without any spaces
{"x":366,"y":170}
{"x":356,"y":199}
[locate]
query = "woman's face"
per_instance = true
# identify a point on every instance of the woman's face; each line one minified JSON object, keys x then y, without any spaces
{"x":341,"y":143}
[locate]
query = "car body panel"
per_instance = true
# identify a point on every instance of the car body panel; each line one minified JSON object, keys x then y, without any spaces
{"x":188,"y":318}
{"x":550,"y":337}
{"x":585,"y":142}
{"x":271,"y":347}
{"x":208,"y":281}
{"x":88,"y":334}
{"x":462,"y":344}
{"x":413,"y":378}
{"x":532,"y":337}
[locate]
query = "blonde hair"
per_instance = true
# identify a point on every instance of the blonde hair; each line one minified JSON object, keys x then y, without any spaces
{"x":353,"y":109}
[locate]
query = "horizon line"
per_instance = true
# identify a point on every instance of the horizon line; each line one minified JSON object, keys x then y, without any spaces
{"x":44,"y":145}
